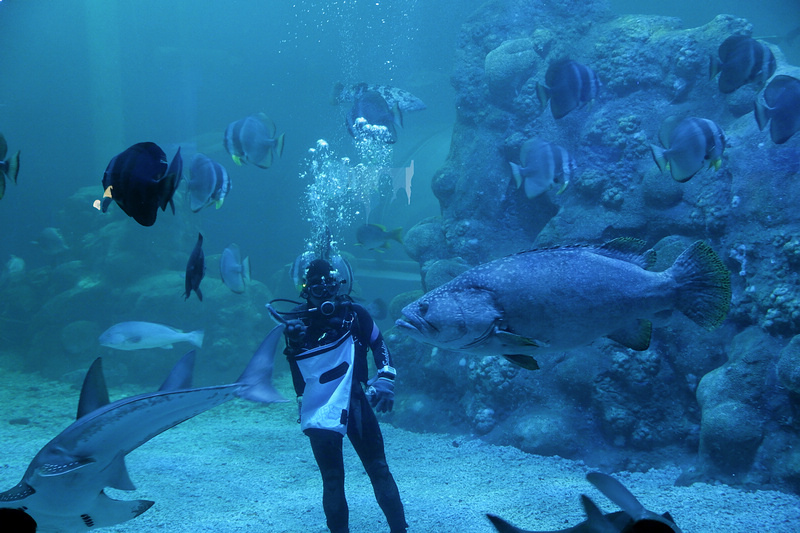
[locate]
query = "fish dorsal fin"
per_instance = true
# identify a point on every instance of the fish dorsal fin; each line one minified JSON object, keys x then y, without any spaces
{"x":180,"y":377}
{"x":665,"y":132}
{"x":595,"y":519}
{"x":777,"y":86}
{"x":94,"y":393}
{"x":617,"y":493}
{"x":729,"y":44}
{"x":636,"y":337}
{"x":268,"y":123}
{"x":118,"y":472}
{"x":629,"y":249}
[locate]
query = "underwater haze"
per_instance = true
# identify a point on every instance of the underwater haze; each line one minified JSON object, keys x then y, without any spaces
{"x":476,"y":148}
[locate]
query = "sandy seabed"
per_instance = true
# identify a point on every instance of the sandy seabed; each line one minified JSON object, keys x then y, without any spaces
{"x":243,"y":467}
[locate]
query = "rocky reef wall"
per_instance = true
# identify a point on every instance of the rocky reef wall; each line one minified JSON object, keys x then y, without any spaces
{"x":724,"y":404}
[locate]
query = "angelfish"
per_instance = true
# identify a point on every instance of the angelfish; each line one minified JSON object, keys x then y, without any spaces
{"x":688,"y":145}
{"x":543,"y":165}
{"x":253,"y":140}
{"x":9,"y":167}
{"x":569,"y":85}
{"x":741,"y":60}
{"x":780,"y":107}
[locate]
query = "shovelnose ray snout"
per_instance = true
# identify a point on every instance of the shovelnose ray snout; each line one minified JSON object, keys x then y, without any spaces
{"x":63,"y":487}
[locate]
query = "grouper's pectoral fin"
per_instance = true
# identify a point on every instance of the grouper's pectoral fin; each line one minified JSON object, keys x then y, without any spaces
{"x":513,"y":340}
{"x":636,"y":336}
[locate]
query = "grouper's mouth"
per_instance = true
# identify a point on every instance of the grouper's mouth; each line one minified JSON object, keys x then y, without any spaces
{"x":415,"y":326}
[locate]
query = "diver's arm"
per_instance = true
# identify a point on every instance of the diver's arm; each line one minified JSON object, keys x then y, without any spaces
{"x":371,"y":333}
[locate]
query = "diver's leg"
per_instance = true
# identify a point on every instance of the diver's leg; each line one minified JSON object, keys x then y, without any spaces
{"x":327,"y":448}
{"x":368,"y":444}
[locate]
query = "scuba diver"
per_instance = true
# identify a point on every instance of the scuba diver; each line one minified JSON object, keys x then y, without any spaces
{"x":327,"y":338}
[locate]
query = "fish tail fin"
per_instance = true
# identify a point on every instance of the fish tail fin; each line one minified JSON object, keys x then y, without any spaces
{"x":543,"y":93}
{"x":397,"y":115}
{"x":196,"y":337}
{"x":256,"y":380}
{"x":659,"y":156}
{"x":713,"y":67}
{"x":704,"y":285}
{"x":279,"y":144}
{"x":516,"y":170}
{"x":12,"y":167}
{"x":397,"y":235}
{"x":761,"y":112}
{"x":502,"y":526}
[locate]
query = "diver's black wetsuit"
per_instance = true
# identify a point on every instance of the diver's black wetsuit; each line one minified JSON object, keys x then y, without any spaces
{"x":362,"y":427}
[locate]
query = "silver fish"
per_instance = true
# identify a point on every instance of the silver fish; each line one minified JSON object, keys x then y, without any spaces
{"x":142,"y":335}
{"x":562,"y":298}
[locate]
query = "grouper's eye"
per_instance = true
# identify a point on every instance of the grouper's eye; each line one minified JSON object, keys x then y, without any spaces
{"x":423,"y":308}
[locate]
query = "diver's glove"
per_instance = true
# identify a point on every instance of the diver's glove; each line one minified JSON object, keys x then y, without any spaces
{"x":381,"y":390}
{"x":295,"y":332}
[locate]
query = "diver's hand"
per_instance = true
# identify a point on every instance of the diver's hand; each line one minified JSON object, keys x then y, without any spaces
{"x":381,"y":393}
{"x":295,"y":331}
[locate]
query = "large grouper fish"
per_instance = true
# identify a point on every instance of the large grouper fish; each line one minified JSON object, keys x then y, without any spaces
{"x":561,"y":298}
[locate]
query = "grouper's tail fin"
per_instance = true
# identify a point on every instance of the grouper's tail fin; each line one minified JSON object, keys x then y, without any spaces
{"x":704,"y":285}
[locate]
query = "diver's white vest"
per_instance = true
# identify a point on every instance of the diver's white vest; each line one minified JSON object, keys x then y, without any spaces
{"x":328,"y":374}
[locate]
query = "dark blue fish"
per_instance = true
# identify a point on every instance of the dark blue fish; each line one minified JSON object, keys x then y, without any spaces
{"x":781,"y":107}
{"x":195,"y":269}
{"x":371,"y":117}
{"x":741,"y":60}
{"x":233,"y":271}
{"x":140,"y":181}
{"x":688,"y":144}
{"x":9,"y":168}
{"x":569,"y":85}
{"x":208,"y":183}
{"x":252,"y":140}
{"x":543,"y":165}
